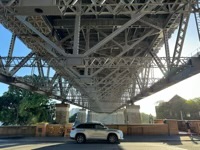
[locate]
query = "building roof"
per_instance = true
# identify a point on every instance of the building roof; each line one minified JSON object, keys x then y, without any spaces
{"x":175,"y":98}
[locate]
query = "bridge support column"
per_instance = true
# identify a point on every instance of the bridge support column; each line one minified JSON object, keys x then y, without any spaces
{"x":81,"y":116}
{"x":91,"y":116}
{"x":62,"y":113}
{"x":120,"y":116}
{"x":132,"y":114}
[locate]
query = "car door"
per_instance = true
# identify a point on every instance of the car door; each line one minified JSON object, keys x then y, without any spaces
{"x":100,"y":132}
{"x":89,"y":131}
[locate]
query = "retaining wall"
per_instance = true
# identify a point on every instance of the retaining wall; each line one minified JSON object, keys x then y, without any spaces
{"x":18,"y":130}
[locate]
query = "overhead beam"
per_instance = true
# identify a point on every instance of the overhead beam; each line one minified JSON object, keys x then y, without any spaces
{"x":151,"y":23}
{"x":69,"y":23}
{"x":128,"y":48}
{"x":32,"y":28}
{"x":105,"y":35}
{"x":135,"y":17}
{"x":115,"y":8}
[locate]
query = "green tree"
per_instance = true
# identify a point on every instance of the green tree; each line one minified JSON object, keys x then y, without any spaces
{"x":18,"y":106}
{"x":144,"y":118}
{"x":178,"y":108}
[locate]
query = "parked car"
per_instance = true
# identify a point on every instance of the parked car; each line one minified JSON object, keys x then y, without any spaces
{"x":95,"y":131}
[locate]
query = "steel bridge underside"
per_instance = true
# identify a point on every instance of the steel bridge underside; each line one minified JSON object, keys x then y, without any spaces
{"x":103,"y":54}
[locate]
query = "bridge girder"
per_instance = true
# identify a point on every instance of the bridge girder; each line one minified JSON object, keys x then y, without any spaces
{"x":101,"y":54}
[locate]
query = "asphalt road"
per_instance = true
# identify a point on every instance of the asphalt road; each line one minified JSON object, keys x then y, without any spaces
{"x":94,"y":145}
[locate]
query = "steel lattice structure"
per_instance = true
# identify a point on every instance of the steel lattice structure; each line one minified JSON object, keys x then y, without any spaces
{"x":102,"y":52}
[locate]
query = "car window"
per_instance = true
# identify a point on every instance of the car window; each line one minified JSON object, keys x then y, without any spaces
{"x":81,"y":126}
{"x":99,"y":126}
{"x":85,"y":126}
{"x":90,"y":126}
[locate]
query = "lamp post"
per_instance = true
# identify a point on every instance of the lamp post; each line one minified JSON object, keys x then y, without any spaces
{"x":181,"y":115}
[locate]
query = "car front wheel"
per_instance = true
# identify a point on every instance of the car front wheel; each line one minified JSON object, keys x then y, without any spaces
{"x":80,"y":138}
{"x":112,"y":138}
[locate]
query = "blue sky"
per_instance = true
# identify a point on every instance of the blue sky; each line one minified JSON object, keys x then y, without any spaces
{"x":188,"y":88}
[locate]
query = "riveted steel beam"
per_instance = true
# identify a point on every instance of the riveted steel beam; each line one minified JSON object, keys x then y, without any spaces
{"x":181,"y":37}
{"x":112,"y":35}
{"x":10,"y":52}
{"x":128,"y":48}
{"x":40,"y":68}
{"x":2,"y":67}
{"x":76,"y":34}
{"x":159,"y":63}
{"x":105,"y":35}
{"x":197,"y":17}
{"x":115,"y":8}
{"x":167,"y":51}
{"x":23,"y":61}
{"x":31,"y":27}
{"x":99,"y":62}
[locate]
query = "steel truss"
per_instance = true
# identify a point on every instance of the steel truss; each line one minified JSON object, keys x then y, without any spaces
{"x":97,"y":56}
{"x":93,"y":62}
{"x":197,"y":17}
{"x":109,"y":8}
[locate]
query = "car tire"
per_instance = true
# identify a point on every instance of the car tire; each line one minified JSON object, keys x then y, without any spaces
{"x":112,"y":138}
{"x":80,"y":138}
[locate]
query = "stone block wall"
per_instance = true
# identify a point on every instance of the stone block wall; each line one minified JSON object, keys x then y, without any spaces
{"x":62,"y":113}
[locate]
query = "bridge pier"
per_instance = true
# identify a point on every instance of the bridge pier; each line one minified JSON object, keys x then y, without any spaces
{"x":119,"y":116}
{"x":132,"y":114}
{"x":62,"y":113}
{"x":114,"y":118}
{"x":81,"y":116}
{"x":91,"y":116}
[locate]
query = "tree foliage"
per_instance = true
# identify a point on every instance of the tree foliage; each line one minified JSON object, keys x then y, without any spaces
{"x":146,"y":118}
{"x":73,"y":118}
{"x":179,"y":108}
{"x":21,"y":107}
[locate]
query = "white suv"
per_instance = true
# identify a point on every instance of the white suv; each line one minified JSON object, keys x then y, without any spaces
{"x":86,"y":131}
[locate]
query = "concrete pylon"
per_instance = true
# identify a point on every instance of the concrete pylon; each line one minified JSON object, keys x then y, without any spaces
{"x":132,"y":114}
{"x":81,"y":116}
{"x":62,"y":113}
{"x":120,"y":116}
{"x":91,"y":116}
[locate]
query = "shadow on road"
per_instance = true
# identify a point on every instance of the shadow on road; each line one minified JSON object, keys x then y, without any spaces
{"x":174,"y":140}
{"x":89,"y":145}
{"x":194,"y":139}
